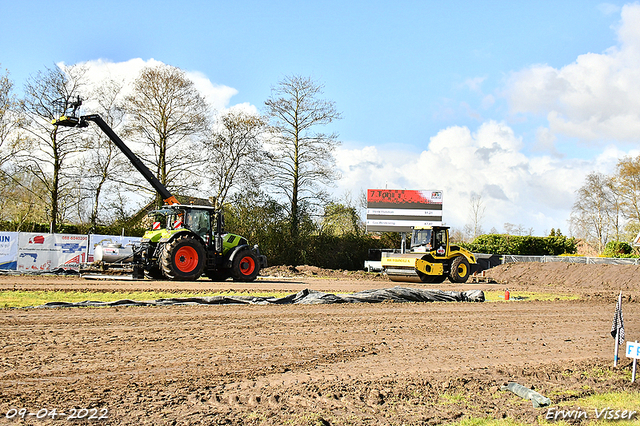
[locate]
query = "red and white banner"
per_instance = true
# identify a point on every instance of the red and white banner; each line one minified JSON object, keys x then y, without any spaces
{"x":400,"y":210}
{"x":44,"y":252}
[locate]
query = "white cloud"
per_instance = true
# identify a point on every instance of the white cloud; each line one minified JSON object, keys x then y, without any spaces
{"x":608,"y":8}
{"x":488,"y":101}
{"x":218,"y":96}
{"x":474,"y":84}
{"x":596,"y":98}
{"x":536,"y":191}
{"x":545,"y":142}
{"x":370,"y":168}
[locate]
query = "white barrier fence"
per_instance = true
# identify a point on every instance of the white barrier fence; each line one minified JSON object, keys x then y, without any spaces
{"x":508,"y":258}
{"x":42,"y":252}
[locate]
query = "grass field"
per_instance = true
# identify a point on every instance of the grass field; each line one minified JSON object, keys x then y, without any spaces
{"x":22,"y":299}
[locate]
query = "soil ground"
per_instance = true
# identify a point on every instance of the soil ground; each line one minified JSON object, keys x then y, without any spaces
{"x":351,"y":364}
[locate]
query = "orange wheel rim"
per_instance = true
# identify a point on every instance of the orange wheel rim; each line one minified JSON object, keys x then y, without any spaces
{"x":186,"y":259}
{"x":247,"y":265}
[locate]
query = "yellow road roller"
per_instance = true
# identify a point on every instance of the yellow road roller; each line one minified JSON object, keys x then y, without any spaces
{"x":431,"y":259}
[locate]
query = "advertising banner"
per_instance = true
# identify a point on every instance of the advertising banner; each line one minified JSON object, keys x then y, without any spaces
{"x":44,"y":252}
{"x":8,"y":250}
{"x":35,"y":251}
{"x":400,"y":210}
{"x":71,"y":250}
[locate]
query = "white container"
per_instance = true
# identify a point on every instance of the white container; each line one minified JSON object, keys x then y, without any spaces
{"x":113,"y":253}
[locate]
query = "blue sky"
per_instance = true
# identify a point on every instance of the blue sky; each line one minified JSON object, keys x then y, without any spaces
{"x":463,"y":96}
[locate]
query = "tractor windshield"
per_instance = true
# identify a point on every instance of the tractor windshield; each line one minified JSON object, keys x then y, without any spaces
{"x":157,"y":219}
{"x":421,"y":237}
{"x":196,"y":220}
{"x":199,"y":222}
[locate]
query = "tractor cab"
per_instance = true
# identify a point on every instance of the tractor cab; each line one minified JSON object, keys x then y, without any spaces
{"x":200,"y":220}
{"x":204,"y":221}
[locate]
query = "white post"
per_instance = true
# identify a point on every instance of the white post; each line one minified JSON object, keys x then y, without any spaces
{"x":615,"y":356}
{"x":633,"y":373}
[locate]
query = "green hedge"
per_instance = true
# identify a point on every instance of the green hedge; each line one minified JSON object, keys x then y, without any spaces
{"x":347,"y":251}
{"x":620,"y":249}
{"x":522,"y":245}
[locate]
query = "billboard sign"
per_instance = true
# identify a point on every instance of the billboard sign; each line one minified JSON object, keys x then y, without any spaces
{"x":399,"y":210}
{"x":8,"y":250}
{"x":40,"y":252}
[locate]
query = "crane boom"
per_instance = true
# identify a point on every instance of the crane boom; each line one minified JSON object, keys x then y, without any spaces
{"x":192,"y":242}
{"x":137,"y":163}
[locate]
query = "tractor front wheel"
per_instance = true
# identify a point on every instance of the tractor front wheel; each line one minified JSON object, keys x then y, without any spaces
{"x":460,"y":270}
{"x":245,"y":266}
{"x":183,"y":258}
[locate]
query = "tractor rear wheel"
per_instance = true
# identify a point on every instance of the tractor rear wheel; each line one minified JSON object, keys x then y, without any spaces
{"x":460,"y":270}
{"x":183,"y":258}
{"x":245,"y":266}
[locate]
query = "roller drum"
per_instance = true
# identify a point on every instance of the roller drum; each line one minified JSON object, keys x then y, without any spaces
{"x":403,"y":273}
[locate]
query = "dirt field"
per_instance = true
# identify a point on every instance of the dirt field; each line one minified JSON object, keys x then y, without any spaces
{"x":352,"y":364}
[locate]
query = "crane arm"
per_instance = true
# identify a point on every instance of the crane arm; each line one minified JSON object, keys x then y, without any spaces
{"x":137,"y":163}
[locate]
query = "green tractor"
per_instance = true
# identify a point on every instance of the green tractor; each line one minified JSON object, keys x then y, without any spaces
{"x":186,"y":241}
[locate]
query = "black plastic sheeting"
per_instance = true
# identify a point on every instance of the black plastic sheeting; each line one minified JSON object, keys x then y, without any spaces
{"x":304,"y":297}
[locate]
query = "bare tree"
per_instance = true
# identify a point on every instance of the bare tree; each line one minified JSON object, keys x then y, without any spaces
{"x":46,"y":151}
{"x":168,"y":114}
{"x":591,"y":213}
{"x":476,"y":215}
{"x":23,"y":203}
{"x":8,"y":118}
{"x":104,"y":165}
{"x":615,"y":207}
{"x":8,"y":123}
{"x":235,"y":153}
{"x":509,"y":228}
{"x":302,"y":159}
{"x":627,"y":184}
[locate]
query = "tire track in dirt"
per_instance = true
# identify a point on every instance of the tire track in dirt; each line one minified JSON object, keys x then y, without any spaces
{"x":363,"y":363}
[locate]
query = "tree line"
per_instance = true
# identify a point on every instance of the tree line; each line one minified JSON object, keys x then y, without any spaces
{"x":606,"y":211}
{"x":269,"y":170}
